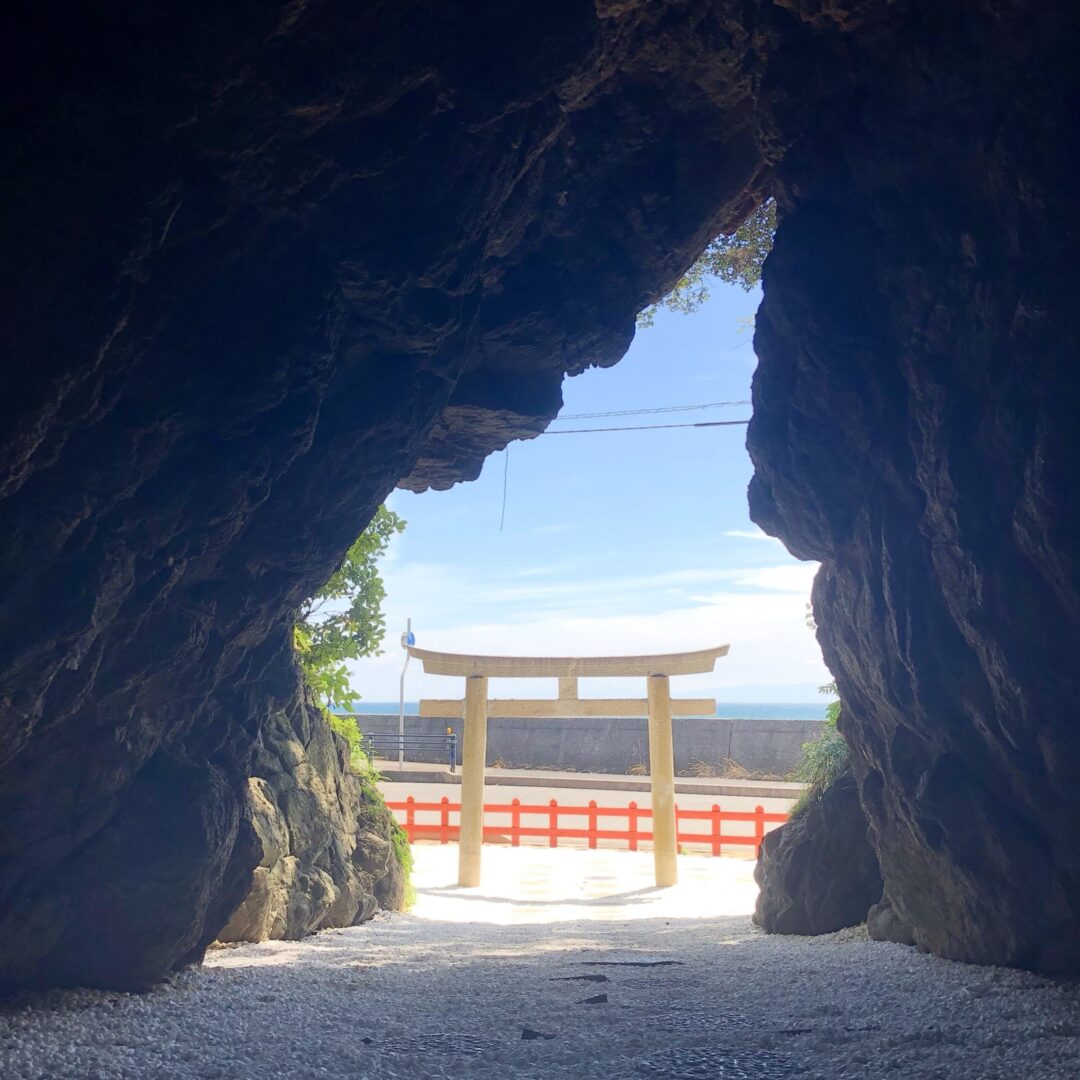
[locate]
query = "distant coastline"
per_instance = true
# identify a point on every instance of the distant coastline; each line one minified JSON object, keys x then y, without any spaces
{"x":807,"y":710}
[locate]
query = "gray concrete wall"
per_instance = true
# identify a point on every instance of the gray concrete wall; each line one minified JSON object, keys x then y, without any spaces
{"x":617,"y":744}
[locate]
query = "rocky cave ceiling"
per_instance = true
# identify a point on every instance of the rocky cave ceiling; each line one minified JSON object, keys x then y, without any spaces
{"x":266,"y":261}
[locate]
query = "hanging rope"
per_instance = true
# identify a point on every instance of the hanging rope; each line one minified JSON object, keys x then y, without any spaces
{"x":506,"y":474}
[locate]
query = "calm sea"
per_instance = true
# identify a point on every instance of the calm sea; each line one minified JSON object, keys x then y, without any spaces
{"x":808,"y":710}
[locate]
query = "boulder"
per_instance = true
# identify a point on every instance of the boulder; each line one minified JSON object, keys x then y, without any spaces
{"x":327,"y":851}
{"x":818,"y":872}
{"x":885,"y":923}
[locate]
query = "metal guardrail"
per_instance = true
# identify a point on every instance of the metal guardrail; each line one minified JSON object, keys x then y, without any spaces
{"x":380,"y":745}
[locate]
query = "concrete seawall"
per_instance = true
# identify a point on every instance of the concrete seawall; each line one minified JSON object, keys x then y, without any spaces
{"x":617,"y":744}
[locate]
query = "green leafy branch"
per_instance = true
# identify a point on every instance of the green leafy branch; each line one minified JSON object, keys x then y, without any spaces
{"x":736,"y":259}
{"x":344,"y":620}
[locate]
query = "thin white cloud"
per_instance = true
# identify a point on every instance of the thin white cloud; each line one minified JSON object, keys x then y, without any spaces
{"x":553,"y":527}
{"x":793,"y":578}
{"x":760,"y":613}
{"x":541,"y":571}
{"x":750,"y":534}
{"x":445,"y":593}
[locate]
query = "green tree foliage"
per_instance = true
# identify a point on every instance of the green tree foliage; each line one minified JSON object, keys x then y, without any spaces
{"x":736,"y":259}
{"x":344,"y":619}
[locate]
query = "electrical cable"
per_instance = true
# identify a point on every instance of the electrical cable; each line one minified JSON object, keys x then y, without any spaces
{"x":643,"y":412}
{"x":635,"y":427}
{"x":646,"y":427}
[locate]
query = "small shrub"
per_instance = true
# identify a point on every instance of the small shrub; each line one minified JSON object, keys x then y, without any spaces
{"x":377,"y":815}
{"x":699,"y":768}
{"x":824,"y":759}
{"x":402,"y":847}
{"x":349,"y":730}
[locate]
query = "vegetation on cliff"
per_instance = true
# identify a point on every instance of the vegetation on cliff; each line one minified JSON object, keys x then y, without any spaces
{"x":344,"y":621}
{"x":735,"y":259}
{"x":824,"y":759}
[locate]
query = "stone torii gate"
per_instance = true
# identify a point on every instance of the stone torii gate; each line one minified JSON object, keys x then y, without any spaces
{"x":658,"y":707}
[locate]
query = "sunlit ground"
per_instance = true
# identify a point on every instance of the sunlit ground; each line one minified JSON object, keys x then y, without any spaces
{"x":565,"y":965}
{"x":549,"y":885}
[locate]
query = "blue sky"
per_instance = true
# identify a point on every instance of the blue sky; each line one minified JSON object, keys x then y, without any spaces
{"x":626,"y":542}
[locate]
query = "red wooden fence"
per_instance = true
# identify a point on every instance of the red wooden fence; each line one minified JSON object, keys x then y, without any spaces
{"x":713,"y":836}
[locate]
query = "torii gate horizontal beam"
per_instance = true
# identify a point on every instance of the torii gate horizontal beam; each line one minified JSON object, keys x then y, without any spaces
{"x":450,"y":709}
{"x":684,"y":663}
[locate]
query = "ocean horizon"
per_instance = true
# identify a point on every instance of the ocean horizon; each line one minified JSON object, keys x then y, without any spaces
{"x":725,"y":710}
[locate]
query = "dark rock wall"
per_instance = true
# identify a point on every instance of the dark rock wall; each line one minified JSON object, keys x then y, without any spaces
{"x":915,"y":428}
{"x":262,"y":261}
{"x":327,"y":839}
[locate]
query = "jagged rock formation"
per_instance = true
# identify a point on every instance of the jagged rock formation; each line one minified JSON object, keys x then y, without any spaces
{"x":327,"y":849}
{"x":818,"y":872}
{"x":915,"y":428}
{"x":268,"y":261}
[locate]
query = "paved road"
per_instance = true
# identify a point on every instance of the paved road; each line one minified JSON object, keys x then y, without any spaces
{"x":419,"y":773}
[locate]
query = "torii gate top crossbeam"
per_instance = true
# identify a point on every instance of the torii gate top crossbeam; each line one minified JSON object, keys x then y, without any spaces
{"x":684,"y":663}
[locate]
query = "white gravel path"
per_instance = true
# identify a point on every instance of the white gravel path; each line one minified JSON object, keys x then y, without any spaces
{"x":432,"y":995}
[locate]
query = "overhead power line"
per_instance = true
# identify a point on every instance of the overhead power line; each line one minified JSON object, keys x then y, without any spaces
{"x":633,"y":427}
{"x":644,"y":412}
{"x":645,"y":427}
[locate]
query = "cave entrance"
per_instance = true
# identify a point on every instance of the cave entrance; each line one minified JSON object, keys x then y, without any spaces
{"x":588,"y":541}
{"x":658,"y":706}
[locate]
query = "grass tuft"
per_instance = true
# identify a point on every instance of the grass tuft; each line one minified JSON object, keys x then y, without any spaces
{"x":824,"y":760}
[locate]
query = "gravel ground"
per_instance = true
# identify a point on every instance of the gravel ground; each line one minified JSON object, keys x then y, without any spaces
{"x":617,"y":982}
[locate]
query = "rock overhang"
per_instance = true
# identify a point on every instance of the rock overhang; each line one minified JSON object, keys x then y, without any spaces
{"x":272,"y":264}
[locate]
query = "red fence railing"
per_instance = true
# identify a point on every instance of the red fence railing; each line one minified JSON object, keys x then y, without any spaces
{"x":550,"y":828}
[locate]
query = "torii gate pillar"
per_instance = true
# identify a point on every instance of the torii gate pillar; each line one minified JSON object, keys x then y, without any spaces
{"x":662,"y":782}
{"x":473,"y":756}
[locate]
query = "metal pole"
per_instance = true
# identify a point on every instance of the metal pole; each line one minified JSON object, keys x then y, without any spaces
{"x":406,"y":640}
